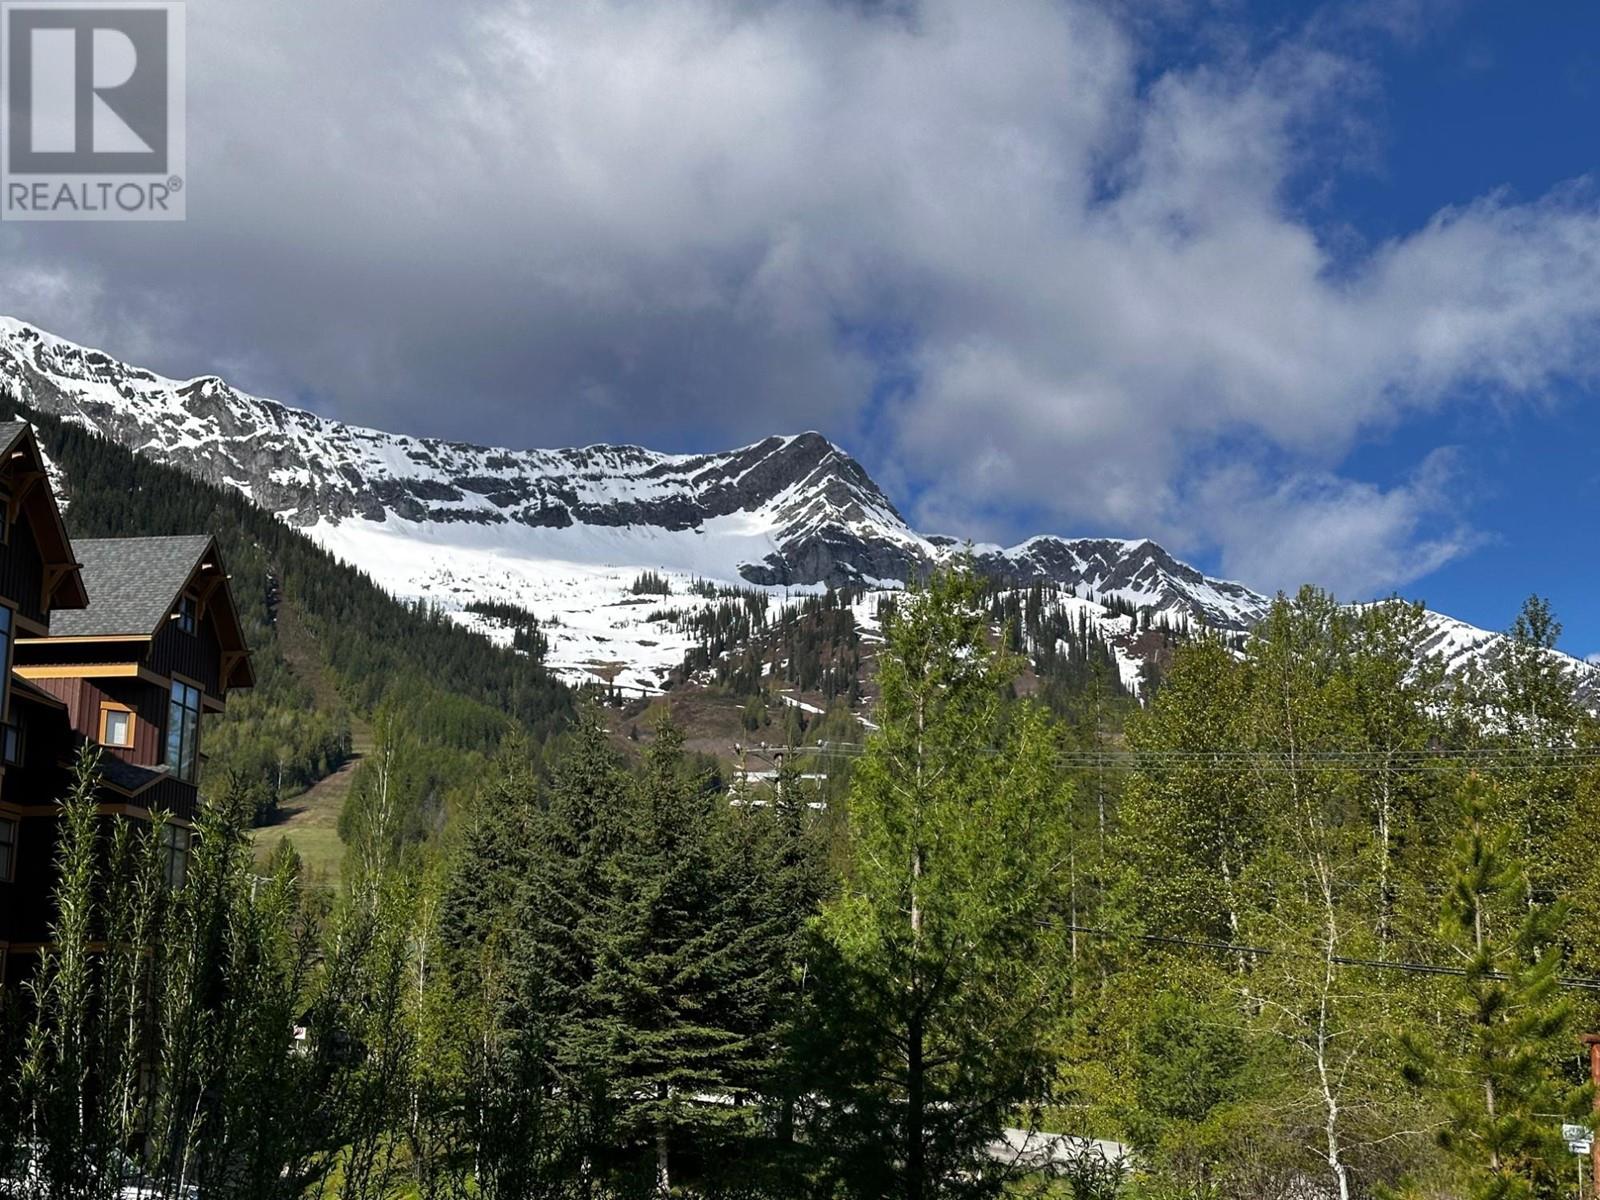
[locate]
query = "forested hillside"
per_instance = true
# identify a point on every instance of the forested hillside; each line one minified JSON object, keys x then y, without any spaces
{"x":1267,"y":934}
{"x":355,"y":649}
{"x":1318,"y":923}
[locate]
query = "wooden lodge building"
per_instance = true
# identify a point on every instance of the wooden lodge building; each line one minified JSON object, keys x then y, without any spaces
{"x":126,"y":643}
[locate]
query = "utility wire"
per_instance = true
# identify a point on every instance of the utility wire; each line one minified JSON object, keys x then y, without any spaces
{"x":1363,"y":761}
{"x":1343,"y":960}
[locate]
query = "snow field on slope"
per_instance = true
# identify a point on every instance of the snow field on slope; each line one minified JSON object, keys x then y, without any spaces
{"x":598,"y":630}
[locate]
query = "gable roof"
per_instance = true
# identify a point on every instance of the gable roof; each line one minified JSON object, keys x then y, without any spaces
{"x":133,"y":584}
{"x":66,"y":592}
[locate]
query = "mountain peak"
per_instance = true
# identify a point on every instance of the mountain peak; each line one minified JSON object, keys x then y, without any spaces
{"x":454,"y":521}
{"x":786,"y":511}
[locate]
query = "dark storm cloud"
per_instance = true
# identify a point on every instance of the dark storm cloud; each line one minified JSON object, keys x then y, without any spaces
{"x":544,"y":223}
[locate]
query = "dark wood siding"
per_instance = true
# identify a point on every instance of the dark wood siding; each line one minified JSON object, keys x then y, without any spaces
{"x":62,"y":652}
{"x":30,"y":910}
{"x":170,"y":796}
{"x":148,"y":701}
{"x":27,"y":905}
{"x":69,"y":691}
{"x":22,"y":570}
{"x":196,"y":656}
{"x":149,"y":705}
{"x":47,"y":744}
{"x":38,"y":781}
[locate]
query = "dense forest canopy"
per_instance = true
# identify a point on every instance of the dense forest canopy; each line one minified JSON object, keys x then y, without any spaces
{"x":328,"y":643}
{"x":1316,"y":921}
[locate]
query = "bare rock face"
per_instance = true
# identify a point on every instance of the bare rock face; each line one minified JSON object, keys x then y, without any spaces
{"x":819,"y":517}
{"x":828,"y":522}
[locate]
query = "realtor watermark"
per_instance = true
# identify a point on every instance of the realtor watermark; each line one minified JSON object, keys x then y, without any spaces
{"x":92,"y":110}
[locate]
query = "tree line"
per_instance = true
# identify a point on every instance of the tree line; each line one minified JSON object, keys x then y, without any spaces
{"x":327,"y":643}
{"x":1317,"y":922}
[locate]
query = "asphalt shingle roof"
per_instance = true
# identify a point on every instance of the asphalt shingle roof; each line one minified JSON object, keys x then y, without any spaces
{"x":127,"y":776}
{"x":9,"y":431}
{"x":132,"y":584}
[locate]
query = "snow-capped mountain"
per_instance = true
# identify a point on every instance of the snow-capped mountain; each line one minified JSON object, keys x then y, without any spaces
{"x":785,"y":512}
{"x":564,"y":533}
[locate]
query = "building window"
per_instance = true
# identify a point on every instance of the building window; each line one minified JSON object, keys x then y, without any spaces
{"x":11,"y":744}
{"x":116,"y":726}
{"x":183,"y":731}
{"x":175,"y":855}
{"x":186,"y":614}
{"x":5,"y":659}
{"x":8,"y":848}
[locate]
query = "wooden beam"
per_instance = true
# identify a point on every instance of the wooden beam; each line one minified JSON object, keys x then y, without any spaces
{"x":21,"y":484}
{"x":118,"y":670}
{"x":53,"y":575}
{"x":206,"y":593}
{"x":38,"y":629}
{"x":83,"y":639}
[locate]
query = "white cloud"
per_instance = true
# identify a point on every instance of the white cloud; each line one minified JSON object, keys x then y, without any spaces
{"x":1320,"y":527}
{"x":1593,"y":658}
{"x":538,"y":222}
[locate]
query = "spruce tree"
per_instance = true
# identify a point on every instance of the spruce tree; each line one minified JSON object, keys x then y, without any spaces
{"x":775,"y":857}
{"x":559,"y":919}
{"x":672,"y":971}
{"x":1496,"y":1075}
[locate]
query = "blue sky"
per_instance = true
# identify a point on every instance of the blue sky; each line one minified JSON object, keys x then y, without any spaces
{"x":1305,"y":292}
{"x":1494,"y":97}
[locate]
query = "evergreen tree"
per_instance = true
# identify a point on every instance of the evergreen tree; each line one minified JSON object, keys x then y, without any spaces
{"x":1496,"y":1073}
{"x":777,"y":862}
{"x":942,"y":977}
{"x":671,"y":984}
{"x":557,"y":1043}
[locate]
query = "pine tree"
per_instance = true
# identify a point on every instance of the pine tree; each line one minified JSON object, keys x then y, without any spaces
{"x":942,"y":973}
{"x":776,"y":866}
{"x":557,"y":1041}
{"x":1497,"y":1075}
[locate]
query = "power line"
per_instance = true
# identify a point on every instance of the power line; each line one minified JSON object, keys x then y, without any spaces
{"x":1342,"y":960}
{"x":1233,"y":761}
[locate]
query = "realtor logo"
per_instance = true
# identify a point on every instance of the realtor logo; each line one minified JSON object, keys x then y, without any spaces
{"x":91,"y":110}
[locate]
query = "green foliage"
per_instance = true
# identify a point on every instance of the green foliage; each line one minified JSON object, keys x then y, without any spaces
{"x":70,"y":1030}
{"x":623,"y":952}
{"x":275,"y":738}
{"x":160,"y":1037}
{"x":464,"y":693}
{"x":526,"y":636}
{"x":942,"y":961}
{"x":1279,"y":859}
{"x":551,"y":973}
{"x":650,"y":583}
{"x":1495,"y":1074}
